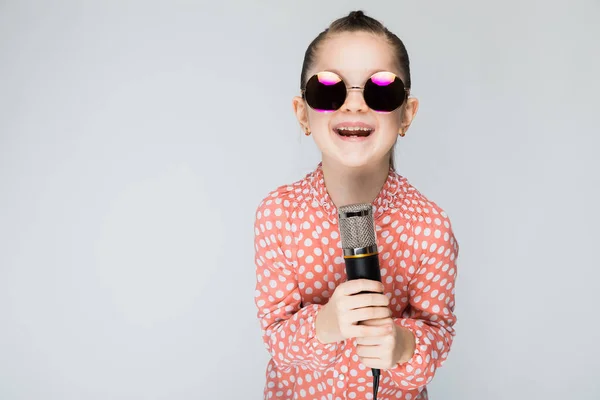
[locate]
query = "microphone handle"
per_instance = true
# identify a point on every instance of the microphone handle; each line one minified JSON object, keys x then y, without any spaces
{"x":366,"y":267}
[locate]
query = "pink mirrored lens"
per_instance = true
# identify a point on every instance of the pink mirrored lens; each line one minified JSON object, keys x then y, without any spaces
{"x":328,"y":78}
{"x":383,"y":78}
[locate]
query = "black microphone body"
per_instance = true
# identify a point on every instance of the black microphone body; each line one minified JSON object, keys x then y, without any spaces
{"x":366,"y":267}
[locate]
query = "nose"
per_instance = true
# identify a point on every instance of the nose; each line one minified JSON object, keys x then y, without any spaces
{"x":355,"y":101}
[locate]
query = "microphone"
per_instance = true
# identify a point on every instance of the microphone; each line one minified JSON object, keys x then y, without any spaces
{"x":361,"y":256}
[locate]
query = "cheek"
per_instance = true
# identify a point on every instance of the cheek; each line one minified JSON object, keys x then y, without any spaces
{"x":319,"y":121}
{"x":390,"y":123}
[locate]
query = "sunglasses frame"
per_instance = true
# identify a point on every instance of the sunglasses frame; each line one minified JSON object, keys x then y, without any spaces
{"x":361,"y":88}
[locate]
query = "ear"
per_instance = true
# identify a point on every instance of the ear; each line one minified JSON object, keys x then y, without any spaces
{"x":408,"y":113}
{"x":301,"y":112}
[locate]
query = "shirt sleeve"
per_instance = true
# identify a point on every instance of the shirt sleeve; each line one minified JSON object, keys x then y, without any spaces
{"x":288,"y":328}
{"x":430,"y":315}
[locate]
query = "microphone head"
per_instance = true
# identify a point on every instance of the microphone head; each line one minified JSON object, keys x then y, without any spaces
{"x":357,"y":227}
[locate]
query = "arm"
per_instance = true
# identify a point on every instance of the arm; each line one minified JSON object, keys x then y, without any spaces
{"x":288,"y":329}
{"x":429,"y":319}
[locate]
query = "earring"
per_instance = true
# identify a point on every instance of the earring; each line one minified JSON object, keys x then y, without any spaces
{"x":307,"y":131}
{"x":402,"y":133}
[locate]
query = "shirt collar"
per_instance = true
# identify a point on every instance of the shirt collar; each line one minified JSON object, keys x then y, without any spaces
{"x":386,"y":199}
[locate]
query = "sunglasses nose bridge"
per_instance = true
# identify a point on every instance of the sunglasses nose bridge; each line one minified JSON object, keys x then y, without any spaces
{"x":355,"y":101}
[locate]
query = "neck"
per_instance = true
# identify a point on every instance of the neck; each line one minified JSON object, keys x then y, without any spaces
{"x":354,"y":185}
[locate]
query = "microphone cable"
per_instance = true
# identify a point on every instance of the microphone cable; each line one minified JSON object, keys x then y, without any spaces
{"x":376,"y":374}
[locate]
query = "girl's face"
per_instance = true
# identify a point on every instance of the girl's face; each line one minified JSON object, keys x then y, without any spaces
{"x":355,"y":57}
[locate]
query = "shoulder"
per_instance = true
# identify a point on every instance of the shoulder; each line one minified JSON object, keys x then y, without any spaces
{"x":281,"y":201}
{"x":425,"y":216}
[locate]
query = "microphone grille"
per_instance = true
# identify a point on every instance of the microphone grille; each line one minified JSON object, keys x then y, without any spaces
{"x":357,"y":227}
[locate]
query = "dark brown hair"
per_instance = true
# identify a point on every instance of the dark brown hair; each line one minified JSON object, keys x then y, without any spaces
{"x":357,"y":21}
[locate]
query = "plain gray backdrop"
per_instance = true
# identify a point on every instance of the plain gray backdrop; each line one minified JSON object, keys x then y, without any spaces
{"x":137,"y":138}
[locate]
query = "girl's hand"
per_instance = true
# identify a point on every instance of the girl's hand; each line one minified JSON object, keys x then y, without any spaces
{"x":385,"y":352}
{"x":339,"y":318}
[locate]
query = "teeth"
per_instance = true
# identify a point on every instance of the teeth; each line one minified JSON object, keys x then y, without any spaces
{"x":354,"y":128}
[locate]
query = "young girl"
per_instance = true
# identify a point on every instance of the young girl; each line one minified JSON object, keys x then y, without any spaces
{"x":355,"y":102}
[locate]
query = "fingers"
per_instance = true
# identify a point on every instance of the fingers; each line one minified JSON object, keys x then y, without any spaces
{"x":357,"y":301}
{"x":368,"y":313}
{"x":362,"y":331}
{"x":376,"y":352}
{"x":357,"y":323}
{"x":366,"y":300}
{"x":372,"y":351}
{"x":370,"y":341}
{"x":379,"y":321}
{"x":356,"y":286}
{"x":387,"y":324}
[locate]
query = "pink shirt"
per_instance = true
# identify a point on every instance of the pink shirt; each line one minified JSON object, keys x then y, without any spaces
{"x":299,"y":264}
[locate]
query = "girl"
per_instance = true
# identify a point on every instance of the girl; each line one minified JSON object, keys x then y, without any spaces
{"x":355,"y":102}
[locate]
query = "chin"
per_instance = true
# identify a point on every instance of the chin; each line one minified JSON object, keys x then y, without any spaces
{"x":357,"y":161}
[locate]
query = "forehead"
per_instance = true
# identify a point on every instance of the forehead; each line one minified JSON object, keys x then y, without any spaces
{"x":355,"y":55}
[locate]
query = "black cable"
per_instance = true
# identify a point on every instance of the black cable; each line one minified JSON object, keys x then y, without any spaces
{"x":376,"y":373}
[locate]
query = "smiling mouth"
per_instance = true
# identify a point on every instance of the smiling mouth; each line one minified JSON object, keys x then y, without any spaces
{"x":354,"y":131}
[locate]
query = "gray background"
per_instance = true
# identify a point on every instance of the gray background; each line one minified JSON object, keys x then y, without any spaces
{"x":137,"y":138}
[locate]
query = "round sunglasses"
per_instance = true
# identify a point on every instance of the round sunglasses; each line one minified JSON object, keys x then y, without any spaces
{"x":326,"y":91}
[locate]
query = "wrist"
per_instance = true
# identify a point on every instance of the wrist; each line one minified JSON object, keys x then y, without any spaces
{"x":406,"y":343}
{"x":323,"y":332}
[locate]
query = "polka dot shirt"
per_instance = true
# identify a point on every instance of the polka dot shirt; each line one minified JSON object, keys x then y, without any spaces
{"x":299,"y":264}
